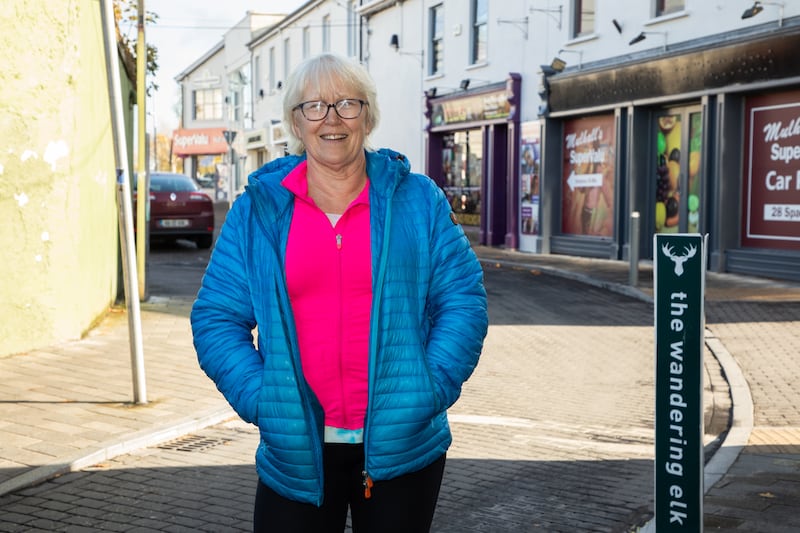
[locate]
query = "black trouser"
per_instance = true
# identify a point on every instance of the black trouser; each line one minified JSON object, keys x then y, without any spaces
{"x":404,"y":505}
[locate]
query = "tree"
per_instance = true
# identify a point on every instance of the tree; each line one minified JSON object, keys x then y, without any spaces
{"x":126,"y":15}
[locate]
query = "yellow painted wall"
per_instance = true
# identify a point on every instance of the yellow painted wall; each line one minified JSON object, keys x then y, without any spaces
{"x":58,"y":214}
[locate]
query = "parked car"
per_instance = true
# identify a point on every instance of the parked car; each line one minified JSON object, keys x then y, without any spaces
{"x":179,"y":209}
{"x":207,"y":180}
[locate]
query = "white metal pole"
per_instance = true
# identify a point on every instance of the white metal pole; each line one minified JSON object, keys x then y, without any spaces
{"x":143,"y":188}
{"x":125,"y":205}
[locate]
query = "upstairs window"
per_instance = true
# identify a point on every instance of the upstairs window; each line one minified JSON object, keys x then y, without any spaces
{"x":306,"y":42}
{"x":287,"y":59}
{"x":436,"y":40}
{"x":584,"y":18}
{"x":207,"y":104}
{"x":352,"y":29}
{"x":271,"y":67}
{"x":326,"y":33}
{"x":480,"y":18}
{"x":665,"y":7}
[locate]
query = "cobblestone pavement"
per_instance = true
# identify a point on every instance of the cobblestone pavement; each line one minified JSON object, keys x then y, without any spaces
{"x":553,"y":433}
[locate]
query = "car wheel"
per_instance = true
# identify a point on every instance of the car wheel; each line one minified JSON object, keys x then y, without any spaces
{"x":204,"y":241}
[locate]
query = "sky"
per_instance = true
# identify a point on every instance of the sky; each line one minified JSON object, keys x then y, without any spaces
{"x":184,"y":32}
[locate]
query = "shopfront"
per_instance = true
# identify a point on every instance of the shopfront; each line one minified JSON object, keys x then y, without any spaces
{"x":472,"y":150}
{"x":529,"y":186}
{"x":715,"y":151}
{"x":204,"y":152}
{"x":262,"y":146}
{"x":770,"y":189}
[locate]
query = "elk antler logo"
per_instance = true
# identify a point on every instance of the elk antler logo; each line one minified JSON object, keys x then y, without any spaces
{"x":679,"y":260}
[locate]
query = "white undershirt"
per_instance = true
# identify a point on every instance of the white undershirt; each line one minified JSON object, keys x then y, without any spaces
{"x":334,"y":218}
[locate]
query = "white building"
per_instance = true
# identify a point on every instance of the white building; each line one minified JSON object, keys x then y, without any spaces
{"x":216,"y":106}
{"x":548,"y":122}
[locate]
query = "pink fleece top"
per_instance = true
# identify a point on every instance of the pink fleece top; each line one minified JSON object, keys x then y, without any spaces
{"x":329,"y":274}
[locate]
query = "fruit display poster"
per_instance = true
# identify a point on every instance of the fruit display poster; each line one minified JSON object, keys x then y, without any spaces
{"x":673,"y":192}
{"x":588,"y":176}
{"x":772,"y":173}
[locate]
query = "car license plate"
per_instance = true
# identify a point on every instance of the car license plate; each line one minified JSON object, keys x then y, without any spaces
{"x":174,"y":223}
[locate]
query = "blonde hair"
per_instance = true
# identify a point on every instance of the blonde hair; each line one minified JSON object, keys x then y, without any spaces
{"x":327,"y":71}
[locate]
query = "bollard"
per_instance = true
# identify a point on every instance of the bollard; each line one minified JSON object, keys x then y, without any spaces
{"x":633,"y":273}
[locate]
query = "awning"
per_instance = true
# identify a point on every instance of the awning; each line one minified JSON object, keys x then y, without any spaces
{"x":199,"y":141}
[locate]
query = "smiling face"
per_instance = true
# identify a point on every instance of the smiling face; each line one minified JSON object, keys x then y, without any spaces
{"x":334,"y":143}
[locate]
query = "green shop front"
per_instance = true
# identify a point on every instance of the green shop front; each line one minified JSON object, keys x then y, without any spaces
{"x":713,"y":151}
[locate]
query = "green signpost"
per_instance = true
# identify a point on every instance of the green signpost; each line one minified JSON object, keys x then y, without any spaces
{"x":679,"y":286}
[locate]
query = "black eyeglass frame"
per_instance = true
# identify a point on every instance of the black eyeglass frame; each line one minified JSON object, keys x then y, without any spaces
{"x":334,"y":106}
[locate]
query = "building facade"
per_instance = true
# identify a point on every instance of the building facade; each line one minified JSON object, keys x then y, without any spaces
{"x":315,"y":27}
{"x":217,"y":109}
{"x":694,"y":129}
{"x":58,"y":182}
{"x":550,"y":123}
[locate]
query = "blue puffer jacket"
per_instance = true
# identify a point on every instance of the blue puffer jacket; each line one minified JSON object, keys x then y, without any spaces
{"x":429,"y":319}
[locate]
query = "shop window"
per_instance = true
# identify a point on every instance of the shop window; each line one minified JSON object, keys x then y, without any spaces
{"x":588,"y":177}
{"x":665,"y":7}
{"x":584,"y":17}
{"x":436,"y":40}
{"x":480,"y":18}
{"x":207,"y":104}
{"x":462,"y":161}
{"x":678,"y":180}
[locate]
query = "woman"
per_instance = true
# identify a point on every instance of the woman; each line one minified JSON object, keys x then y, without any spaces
{"x":370,"y":311}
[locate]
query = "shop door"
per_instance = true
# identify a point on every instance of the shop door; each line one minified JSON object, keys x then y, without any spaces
{"x":462,"y":160}
{"x":678,"y":186}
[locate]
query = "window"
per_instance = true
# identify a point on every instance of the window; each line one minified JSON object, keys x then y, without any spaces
{"x":436,"y":40}
{"x":257,"y":75}
{"x":665,"y":7}
{"x":352,"y":29}
{"x":480,"y":17}
{"x":306,"y":42}
{"x":584,"y":18}
{"x":235,"y":104}
{"x":207,"y":104}
{"x":287,"y":58}
{"x":326,"y":33}
{"x":271,"y":81}
{"x":462,"y":164}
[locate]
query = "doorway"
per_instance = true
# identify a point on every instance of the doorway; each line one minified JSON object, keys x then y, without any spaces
{"x":462,"y":167}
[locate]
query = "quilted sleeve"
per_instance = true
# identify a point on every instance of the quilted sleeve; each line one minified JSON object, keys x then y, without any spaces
{"x":457,"y":307}
{"x":223,"y":319}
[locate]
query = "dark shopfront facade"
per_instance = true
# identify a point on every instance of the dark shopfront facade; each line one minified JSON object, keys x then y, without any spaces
{"x":704,"y":138}
{"x":472,"y":142}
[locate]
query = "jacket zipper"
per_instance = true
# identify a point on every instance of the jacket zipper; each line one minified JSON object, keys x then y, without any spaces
{"x":367,"y":482}
{"x":376,"y":298}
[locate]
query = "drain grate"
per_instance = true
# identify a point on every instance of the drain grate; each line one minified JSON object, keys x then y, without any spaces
{"x":193,"y":443}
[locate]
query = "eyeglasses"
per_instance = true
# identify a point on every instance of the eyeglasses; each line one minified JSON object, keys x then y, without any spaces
{"x":316,"y":110}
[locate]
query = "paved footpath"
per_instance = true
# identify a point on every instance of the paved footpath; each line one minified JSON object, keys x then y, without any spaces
{"x":553,"y":433}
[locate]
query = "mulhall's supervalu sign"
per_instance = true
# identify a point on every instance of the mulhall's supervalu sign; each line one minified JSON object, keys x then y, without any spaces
{"x":771,"y":195}
{"x":679,"y":286}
